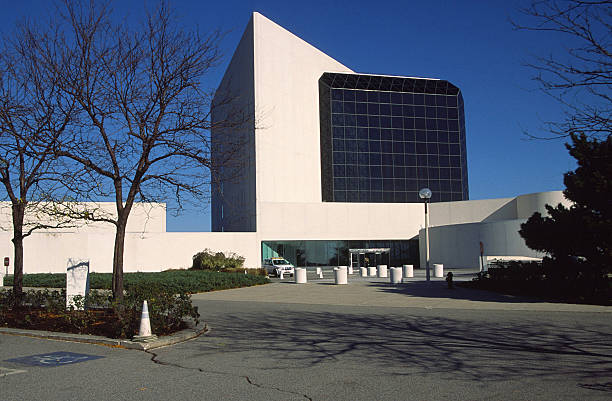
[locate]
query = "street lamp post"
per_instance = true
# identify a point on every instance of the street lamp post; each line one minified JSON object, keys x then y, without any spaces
{"x":425,"y":194}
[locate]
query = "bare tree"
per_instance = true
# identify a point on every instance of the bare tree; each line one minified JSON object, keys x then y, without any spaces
{"x":145,"y":116}
{"x":33,"y":115}
{"x":581,"y":77}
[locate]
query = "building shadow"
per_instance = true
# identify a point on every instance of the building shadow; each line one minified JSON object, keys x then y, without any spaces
{"x":439,"y":289}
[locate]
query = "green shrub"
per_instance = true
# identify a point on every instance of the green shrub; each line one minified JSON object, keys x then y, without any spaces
{"x":255,"y":272}
{"x":45,"y":309}
{"x":167,"y":308}
{"x":207,"y":260}
{"x":188,"y":281}
{"x":549,"y":279}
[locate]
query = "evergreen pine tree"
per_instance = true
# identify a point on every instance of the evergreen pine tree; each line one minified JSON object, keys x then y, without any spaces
{"x":579,"y":238}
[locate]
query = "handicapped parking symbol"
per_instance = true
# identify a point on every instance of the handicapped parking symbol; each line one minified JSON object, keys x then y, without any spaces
{"x":54,"y":359}
{"x":60,"y":359}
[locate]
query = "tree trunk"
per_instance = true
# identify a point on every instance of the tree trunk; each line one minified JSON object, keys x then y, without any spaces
{"x":118,"y":260}
{"x":18,"y":215}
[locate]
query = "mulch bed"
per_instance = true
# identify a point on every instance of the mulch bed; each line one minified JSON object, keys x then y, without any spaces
{"x":100,"y":322}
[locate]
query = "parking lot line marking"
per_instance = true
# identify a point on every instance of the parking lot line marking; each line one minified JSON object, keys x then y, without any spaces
{"x":7,"y":371}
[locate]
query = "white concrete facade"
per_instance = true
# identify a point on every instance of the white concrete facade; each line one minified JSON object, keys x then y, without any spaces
{"x":148,"y":247}
{"x":458,"y":228}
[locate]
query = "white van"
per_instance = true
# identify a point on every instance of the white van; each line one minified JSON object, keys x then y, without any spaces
{"x":274,"y":266}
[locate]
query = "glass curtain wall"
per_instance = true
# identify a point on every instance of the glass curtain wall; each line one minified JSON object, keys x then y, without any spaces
{"x":336,"y":253}
{"x":384,"y":138}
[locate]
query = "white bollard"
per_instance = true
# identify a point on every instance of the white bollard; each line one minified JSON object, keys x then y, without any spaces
{"x":364,"y":271}
{"x":340,"y":275}
{"x":396,"y":275}
{"x":350,"y":270}
{"x":382,"y":270}
{"x":438,"y":270}
{"x":321,"y":274}
{"x":281,"y":275}
{"x":319,"y":271}
{"x":300,"y":275}
{"x":408,"y":271}
{"x":372,"y":271}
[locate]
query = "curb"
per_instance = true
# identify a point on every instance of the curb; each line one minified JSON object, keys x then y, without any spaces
{"x":183,"y":335}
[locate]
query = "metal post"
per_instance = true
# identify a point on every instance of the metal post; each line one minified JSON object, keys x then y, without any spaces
{"x":426,"y":242}
{"x":425,"y":194}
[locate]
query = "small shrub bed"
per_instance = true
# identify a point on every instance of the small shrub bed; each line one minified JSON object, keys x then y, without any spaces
{"x":46,"y":310}
{"x":572,"y":282}
{"x":209,"y":260}
{"x":178,"y":281}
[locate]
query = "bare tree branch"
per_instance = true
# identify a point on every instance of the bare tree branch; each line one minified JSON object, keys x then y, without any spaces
{"x":580,"y":79}
{"x":143,"y":118}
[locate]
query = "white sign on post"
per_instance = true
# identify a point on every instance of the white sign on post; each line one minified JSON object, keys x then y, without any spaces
{"x":77,"y":281}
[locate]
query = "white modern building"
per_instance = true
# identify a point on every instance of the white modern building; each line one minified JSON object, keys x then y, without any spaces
{"x":334,"y":160}
{"x":329,"y":171}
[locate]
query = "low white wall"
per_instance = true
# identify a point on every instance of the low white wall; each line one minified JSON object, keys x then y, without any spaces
{"x":471,"y":211}
{"x":48,"y":253}
{"x":526,"y":205}
{"x":457,"y":228}
{"x":458,"y":245}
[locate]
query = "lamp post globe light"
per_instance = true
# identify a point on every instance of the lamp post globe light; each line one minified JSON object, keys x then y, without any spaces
{"x":425,"y":194}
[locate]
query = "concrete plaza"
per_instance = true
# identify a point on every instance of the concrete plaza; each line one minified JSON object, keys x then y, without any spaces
{"x":363,"y":341}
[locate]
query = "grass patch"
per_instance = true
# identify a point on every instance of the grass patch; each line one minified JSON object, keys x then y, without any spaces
{"x":179,"y":281}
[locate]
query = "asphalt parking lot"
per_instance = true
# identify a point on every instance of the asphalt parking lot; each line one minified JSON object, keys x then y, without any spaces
{"x":367,"y":340}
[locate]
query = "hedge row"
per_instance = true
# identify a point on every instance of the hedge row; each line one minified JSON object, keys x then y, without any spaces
{"x":179,"y":281}
{"x":548,"y":280}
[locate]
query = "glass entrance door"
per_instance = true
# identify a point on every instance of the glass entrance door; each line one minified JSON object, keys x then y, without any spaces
{"x":369,"y":257}
{"x":356,"y":259}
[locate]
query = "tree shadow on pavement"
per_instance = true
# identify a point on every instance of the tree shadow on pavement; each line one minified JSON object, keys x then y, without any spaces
{"x":401,"y":344}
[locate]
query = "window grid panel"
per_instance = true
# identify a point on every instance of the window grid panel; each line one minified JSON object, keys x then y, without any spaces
{"x":376,"y":136}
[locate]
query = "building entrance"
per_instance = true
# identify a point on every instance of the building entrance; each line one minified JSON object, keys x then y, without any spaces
{"x":369,"y":257}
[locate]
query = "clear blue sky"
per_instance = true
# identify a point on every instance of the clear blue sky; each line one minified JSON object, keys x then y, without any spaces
{"x":469,"y":43}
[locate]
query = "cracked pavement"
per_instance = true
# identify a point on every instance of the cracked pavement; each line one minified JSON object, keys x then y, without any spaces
{"x":412,"y":345}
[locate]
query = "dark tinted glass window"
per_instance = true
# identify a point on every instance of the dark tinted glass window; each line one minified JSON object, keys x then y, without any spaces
{"x":349,"y":95}
{"x":385,"y":144}
{"x":361,"y":96}
{"x":350,"y":133}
